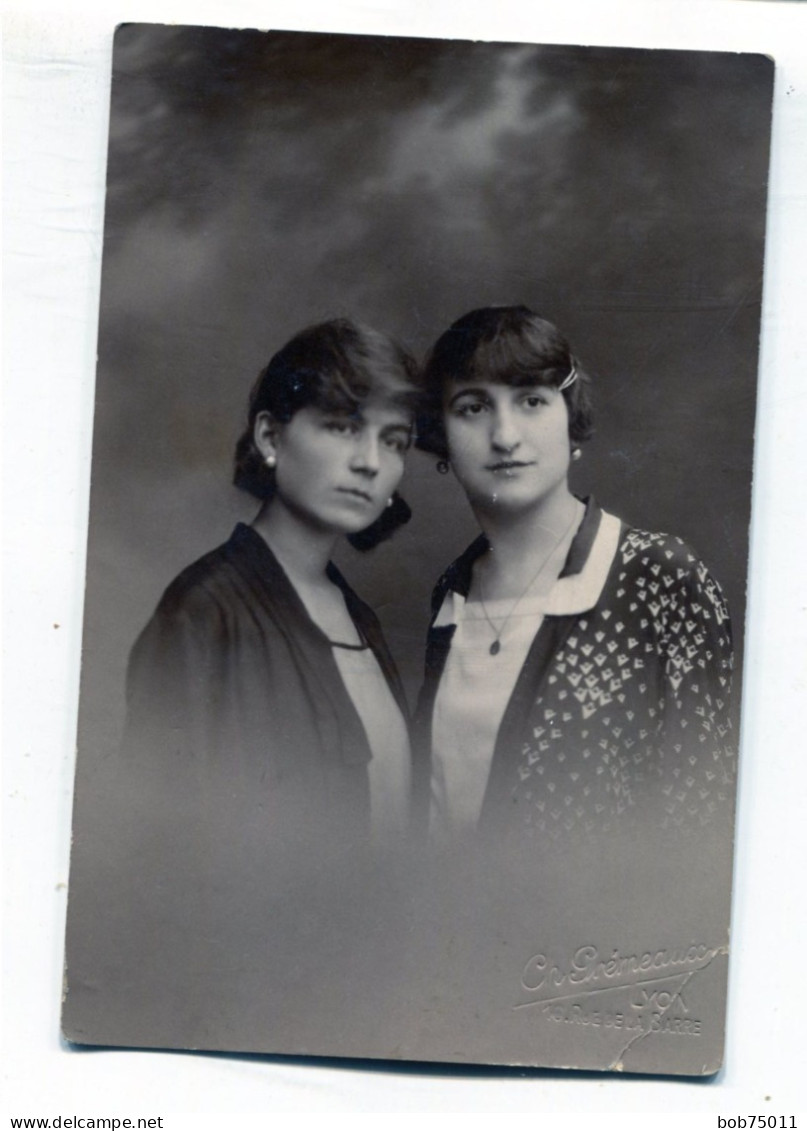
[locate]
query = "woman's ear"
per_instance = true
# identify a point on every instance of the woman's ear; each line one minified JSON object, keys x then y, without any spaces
{"x":265,"y":432}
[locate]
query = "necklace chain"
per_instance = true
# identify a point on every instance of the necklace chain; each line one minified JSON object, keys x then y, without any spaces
{"x":496,"y":646}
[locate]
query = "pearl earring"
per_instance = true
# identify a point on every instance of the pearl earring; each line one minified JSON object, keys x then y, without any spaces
{"x":390,"y":501}
{"x":270,"y":461}
{"x":576,"y":453}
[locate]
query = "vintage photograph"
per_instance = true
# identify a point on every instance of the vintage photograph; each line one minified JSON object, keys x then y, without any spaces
{"x":418,"y":549}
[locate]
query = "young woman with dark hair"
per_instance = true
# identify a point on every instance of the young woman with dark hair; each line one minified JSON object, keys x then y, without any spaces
{"x":262,"y":685}
{"x":578,"y":669}
{"x":243,"y":836}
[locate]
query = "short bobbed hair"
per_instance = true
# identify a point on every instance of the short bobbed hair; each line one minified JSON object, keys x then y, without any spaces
{"x":508,"y":345}
{"x":335,"y":366}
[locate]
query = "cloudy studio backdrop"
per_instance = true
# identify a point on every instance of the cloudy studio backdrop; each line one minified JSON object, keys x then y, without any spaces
{"x":260,"y":182}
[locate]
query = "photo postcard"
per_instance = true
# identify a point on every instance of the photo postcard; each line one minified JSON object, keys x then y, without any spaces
{"x":418,"y":547}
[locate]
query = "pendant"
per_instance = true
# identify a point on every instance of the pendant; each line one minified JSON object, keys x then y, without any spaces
{"x":495,"y":648}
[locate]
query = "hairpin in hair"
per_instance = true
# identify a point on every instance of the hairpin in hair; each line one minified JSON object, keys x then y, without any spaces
{"x":570,"y":380}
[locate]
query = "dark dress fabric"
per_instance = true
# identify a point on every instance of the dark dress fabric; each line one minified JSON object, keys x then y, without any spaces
{"x":223,"y":900}
{"x":619,"y":721}
{"x":236,"y":705}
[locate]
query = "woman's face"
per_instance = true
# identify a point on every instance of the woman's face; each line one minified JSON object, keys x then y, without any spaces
{"x":509,"y":447}
{"x":336,"y":471}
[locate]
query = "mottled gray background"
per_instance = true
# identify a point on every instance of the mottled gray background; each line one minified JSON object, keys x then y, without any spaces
{"x":262,"y":181}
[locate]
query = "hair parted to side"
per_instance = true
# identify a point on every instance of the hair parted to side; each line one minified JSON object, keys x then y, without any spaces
{"x":335,"y":366}
{"x":509,"y":345}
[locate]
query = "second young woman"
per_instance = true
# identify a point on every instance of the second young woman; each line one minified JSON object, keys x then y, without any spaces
{"x":578,"y":669}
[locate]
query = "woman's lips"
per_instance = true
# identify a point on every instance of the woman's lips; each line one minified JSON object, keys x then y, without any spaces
{"x":509,"y":465}
{"x":356,"y":493}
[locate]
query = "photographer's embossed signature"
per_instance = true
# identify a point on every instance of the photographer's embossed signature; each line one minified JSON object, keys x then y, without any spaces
{"x":656,"y":983}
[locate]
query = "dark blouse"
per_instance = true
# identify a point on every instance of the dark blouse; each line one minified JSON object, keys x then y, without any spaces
{"x":220,"y":881}
{"x":238,"y":720}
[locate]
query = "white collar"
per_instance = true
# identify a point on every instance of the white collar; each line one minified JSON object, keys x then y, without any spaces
{"x":575,"y":593}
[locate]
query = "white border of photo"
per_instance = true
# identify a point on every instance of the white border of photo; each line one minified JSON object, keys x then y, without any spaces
{"x":56,"y":94}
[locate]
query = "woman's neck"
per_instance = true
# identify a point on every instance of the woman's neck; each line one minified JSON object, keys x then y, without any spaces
{"x":520,"y":540}
{"x":302,"y":550}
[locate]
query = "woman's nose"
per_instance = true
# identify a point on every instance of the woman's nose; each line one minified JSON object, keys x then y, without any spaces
{"x":504,"y":433}
{"x":366,"y":454}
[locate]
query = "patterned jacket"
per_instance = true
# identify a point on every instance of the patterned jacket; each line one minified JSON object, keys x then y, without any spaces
{"x":620,"y":714}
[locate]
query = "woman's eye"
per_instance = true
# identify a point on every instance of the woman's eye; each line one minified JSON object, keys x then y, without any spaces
{"x":470,"y":408}
{"x":340,"y":427}
{"x":397,"y":442}
{"x":533,"y":400}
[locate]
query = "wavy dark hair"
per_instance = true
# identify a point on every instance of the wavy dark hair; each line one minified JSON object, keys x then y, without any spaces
{"x":509,"y":345}
{"x":334,"y":366}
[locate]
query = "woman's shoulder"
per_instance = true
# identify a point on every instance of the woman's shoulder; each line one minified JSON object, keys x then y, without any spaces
{"x":196,"y":584}
{"x":657,"y":552}
{"x":665,"y":564}
{"x":213,"y":584}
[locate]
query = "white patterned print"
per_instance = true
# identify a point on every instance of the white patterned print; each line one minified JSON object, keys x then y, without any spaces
{"x":633,"y":718}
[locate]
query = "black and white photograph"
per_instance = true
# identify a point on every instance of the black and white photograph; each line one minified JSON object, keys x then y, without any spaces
{"x":418,"y":548}
{"x":404,"y":613}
